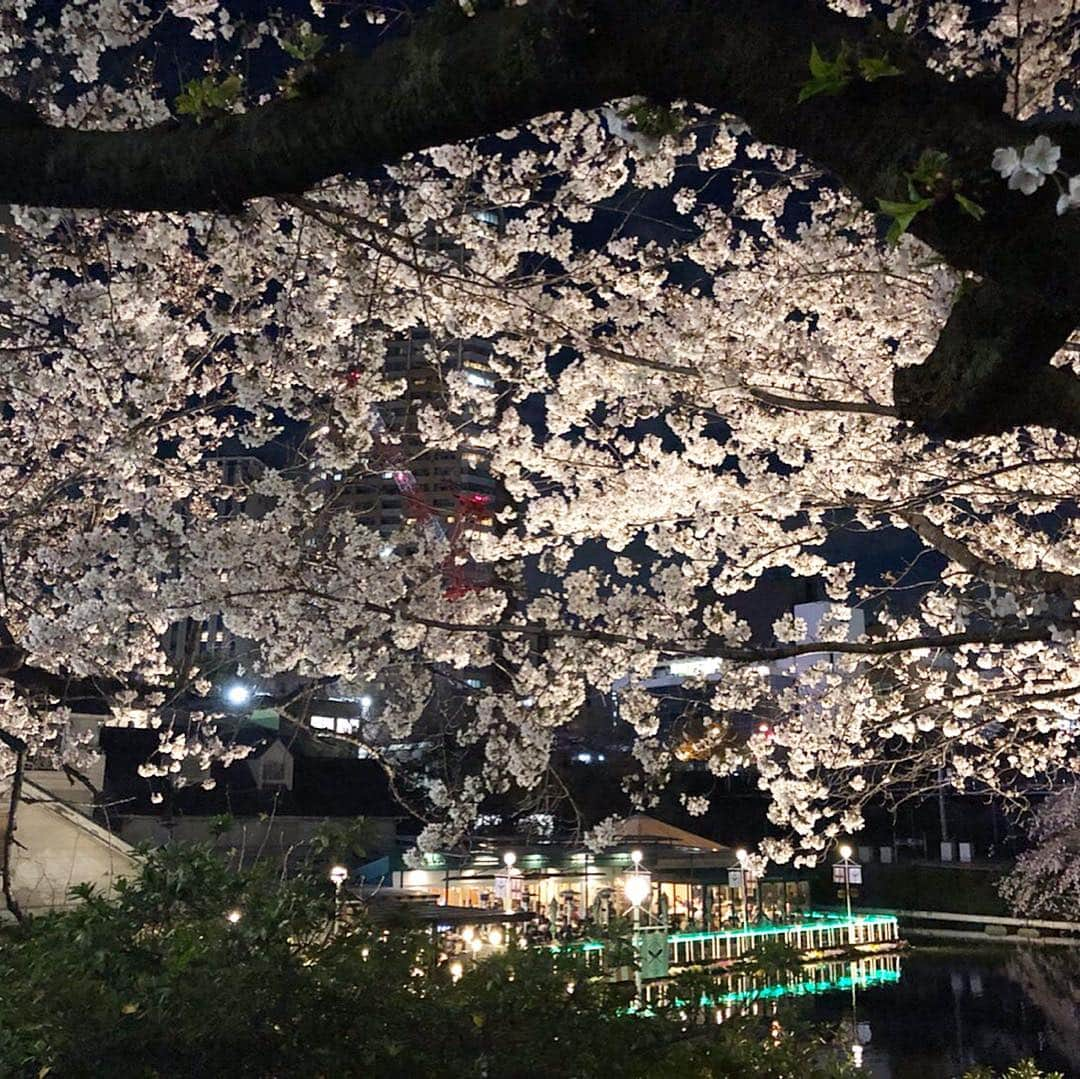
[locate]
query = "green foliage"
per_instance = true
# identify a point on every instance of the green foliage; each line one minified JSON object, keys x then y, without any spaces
{"x":303,"y":43}
{"x":873,"y":68}
{"x":1025,"y":1069}
{"x":772,"y":959}
{"x":928,"y":183}
{"x":831,"y":77}
{"x":654,"y":120}
{"x":902,"y":214}
{"x":203,"y":98}
{"x":159,"y":981}
{"x":340,"y":841}
{"x":969,"y":206}
{"x":827,"y":77}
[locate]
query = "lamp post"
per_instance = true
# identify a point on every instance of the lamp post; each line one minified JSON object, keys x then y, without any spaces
{"x":852,"y":874}
{"x":338,"y":876}
{"x":509,"y":858}
{"x":845,"y":857}
{"x":742,"y":856}
{"x":637,"y":888}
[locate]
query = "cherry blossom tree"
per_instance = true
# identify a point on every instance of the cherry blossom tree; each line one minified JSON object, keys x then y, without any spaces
{"x":709,"y":359}
{"x":1046,"y":880}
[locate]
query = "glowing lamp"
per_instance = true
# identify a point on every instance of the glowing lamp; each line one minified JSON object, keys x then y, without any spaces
{"x":845,"y":852}
{"x":637,"y":888}
{"x":509,"y":858}
{"x":339,"y":875}
{"x":237,"y":694}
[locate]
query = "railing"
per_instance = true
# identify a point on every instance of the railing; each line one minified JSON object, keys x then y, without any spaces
{"x":994,"y":926}
{"x":817,"y":933}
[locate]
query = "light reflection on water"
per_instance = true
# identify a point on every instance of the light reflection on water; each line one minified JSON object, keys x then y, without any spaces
{"x":953,"y":1009}
{"x":932,"y":1013}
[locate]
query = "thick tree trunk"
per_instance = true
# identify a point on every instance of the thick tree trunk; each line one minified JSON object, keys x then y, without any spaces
{"x":12,"y":759}
{"x":456,"y":79}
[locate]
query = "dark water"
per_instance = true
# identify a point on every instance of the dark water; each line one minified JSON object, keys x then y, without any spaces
{"x":952,"y":1009}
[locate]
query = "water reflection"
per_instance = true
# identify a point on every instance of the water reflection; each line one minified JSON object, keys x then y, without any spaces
{"x":930,"y":1013}
{"x":1051,"y":981}
{"x":754,"y":993}
{"x":954,"y":1009}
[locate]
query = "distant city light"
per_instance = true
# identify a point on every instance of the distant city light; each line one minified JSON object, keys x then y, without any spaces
{"x":234,"y":916}
{"x":585,"y":758}
{"x":237,"y":694}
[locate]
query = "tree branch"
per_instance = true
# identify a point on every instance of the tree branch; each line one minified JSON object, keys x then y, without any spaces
{"x":450,"y":81}
{"x":1011,"y":577}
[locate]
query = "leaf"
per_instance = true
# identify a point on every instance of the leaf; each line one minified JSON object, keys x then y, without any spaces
{"x":819,"y":66}
{"x":969,"y":206}
{"x":303,"y":47}
{"x":902,"y":213}
{"x":878,"y":67}
{"x":931,"y":167}
{"x":202,"y":97}
{"x":829,"y":76}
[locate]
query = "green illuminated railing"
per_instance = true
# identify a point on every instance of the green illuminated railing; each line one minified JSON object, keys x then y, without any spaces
{"x":818,"y":931}
{"x":815,"y":922}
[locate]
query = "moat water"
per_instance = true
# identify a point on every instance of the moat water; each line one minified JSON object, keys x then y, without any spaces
{"x":951,"y":1009}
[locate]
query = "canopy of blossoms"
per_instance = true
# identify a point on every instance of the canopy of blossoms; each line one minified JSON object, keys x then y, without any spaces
{"x":695,"y":339}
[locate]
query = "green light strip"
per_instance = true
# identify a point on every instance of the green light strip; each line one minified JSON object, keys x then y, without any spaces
{"x":808,"y":987}
{"x":775,"y":930}
{"x":824,"y":921}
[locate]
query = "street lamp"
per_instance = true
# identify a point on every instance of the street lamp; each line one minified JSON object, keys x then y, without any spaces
{"x":637,"y":888}
{"x":338,"y":876}
{"x":237,"y":694}
{"x":845,"y":861}
{"x":509,"y":859}
{"x":234,"y":916}
{"x":742,"y":856}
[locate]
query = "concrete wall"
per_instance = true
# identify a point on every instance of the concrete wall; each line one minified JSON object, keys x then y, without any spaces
{"x":58,"y":847}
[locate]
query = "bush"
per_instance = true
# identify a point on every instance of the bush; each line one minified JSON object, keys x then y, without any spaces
{"x":160,"y":981}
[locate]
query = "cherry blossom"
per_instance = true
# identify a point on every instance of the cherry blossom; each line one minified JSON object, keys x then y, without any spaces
{"x":692,"y":339}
